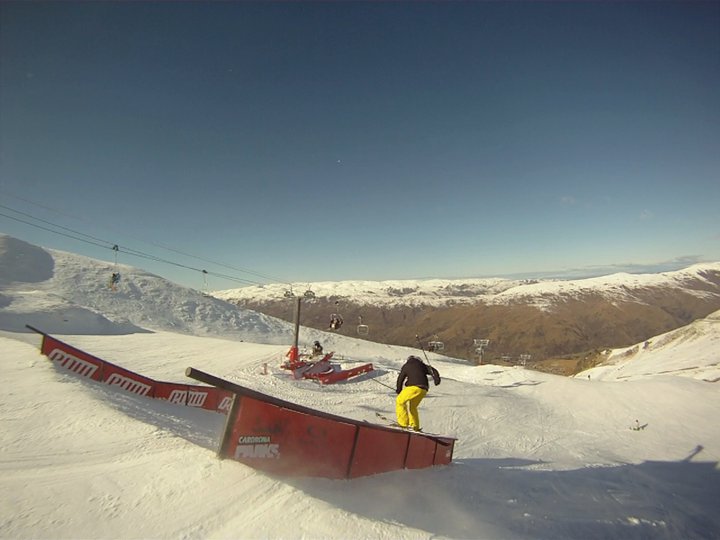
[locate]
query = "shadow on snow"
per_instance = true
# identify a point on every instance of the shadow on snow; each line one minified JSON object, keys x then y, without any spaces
{"x":496,"y":498}
{"x":503,"y":498}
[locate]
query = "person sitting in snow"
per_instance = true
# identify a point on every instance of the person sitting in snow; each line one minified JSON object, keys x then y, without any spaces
{"x":317,"y":349}
{"x":414,"y":374}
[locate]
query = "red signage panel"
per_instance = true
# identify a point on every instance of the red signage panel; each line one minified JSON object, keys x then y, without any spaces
{"x":224,"y":401}
{"x":172,"y":392}
{"x":127,"y":380}
{"x":421,"y":452}
{"x":288,"y":442}
{"x":378,"y":451}
{"x":205,"y":397}
{"x":75,"y":360}
{"x":444,"y":452}
{"x":341,"y":375}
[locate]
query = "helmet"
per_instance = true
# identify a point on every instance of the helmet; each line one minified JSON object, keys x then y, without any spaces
{"x":413,"y":357}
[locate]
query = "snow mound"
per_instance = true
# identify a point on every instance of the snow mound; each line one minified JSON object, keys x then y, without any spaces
{"x":65,"y":319}
{"x":690,"y":351}
{"x":61,"y":292}
{"x":23,"y":262}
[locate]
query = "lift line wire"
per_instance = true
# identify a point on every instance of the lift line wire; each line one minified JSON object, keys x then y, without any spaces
{"x":52,"y":231}
{"x":217,"y":263}
{"x":129,"y":251}
{"x":104,"y":244}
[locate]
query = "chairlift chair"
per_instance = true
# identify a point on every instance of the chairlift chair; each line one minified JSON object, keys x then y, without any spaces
{"x":114,"y":280}
{"x":336,"y":321}
{"x":434,"y":346}
{"x":206,"y":289}
{"x":115,"y":277}
{"x":309,"y":294}
{"x":289,"y":294}
{"x":362,"y":329}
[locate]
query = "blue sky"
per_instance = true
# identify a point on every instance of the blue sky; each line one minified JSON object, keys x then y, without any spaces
{"x":363,"y":140}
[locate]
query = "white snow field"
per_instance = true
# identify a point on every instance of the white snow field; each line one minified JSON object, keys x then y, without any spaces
{"x":619,"y":454}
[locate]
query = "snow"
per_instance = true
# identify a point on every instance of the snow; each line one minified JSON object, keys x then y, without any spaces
{"x":490,"y":291}
{"x":631,"y":454}
{"x":690,"y":351}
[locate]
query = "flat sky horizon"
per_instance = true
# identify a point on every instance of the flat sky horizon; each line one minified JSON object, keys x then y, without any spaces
{"x":329,"y":141}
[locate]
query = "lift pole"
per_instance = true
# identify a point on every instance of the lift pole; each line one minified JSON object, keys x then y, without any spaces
{"x":293,"y":355}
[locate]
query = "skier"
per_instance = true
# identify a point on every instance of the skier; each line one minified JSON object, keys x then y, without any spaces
{"x":317,"y":349}
{"x":414,"y":374}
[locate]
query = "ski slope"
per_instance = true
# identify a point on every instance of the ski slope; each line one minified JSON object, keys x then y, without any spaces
{"x":538,"y":457}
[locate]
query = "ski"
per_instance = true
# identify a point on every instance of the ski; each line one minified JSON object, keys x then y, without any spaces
{"x":440,"y":439}
{"x":393,"y":423}
{"x":385,"y":418}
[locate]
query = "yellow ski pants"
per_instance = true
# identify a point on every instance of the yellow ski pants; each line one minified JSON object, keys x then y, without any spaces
{"x":406,"y":406}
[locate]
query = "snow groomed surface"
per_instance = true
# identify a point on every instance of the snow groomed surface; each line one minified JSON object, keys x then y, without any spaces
{"x":267,"y":433}
{"x":287,"y":439}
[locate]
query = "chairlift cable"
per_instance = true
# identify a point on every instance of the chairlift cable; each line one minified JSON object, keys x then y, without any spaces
{"x":55,"y":232}
{"x":105,"y":244}
{"x":239,"y":269}
{"x":52,"y":224}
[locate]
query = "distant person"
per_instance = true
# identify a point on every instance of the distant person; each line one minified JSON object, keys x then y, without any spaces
{"x":414,"y":374}
{"x":317,"y":349}
{"x":114,"y":280}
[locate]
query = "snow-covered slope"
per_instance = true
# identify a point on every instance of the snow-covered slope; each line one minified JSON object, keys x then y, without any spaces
{"x":691,"y":351}
{"x":538,"y":456}
{"x":440,"y":292}
{"x":75,"y":298}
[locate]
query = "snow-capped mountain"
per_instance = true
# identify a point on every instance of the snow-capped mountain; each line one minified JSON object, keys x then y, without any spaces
{"x":699,"y":279}
{"x":544,"y":319}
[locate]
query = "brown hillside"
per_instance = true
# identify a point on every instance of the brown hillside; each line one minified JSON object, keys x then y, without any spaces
{"x":572,"y":327}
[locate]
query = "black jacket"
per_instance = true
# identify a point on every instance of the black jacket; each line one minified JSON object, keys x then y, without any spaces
{"x":415,"y":373}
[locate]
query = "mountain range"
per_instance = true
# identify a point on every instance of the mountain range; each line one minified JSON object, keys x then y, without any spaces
{"x":560,"y":326}
{"x":555,"y":325}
